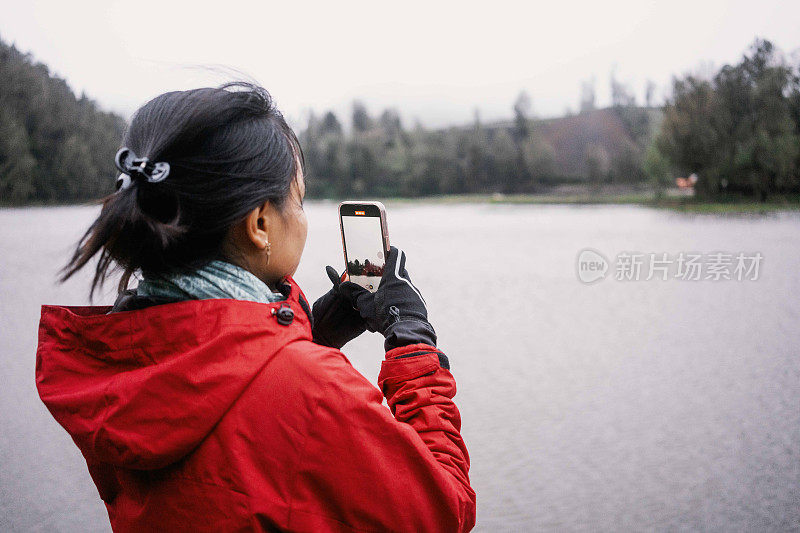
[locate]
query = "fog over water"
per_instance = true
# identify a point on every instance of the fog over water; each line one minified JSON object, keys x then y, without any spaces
{"x":620,"y":405}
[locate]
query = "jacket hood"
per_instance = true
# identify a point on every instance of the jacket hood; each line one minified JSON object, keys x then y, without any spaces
{"x":141,"y":389}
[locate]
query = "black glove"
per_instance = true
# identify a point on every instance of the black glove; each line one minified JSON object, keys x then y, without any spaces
{"x":335,"y":321}
{"x":396,"y":309}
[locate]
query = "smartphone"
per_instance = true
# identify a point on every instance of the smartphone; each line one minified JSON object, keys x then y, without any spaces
{"x":365,"y":241}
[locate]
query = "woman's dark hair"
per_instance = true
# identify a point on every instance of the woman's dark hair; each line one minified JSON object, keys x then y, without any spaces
{"x":229,"y":150}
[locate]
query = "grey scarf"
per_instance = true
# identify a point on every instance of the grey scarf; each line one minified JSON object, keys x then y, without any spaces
{"x":218,"y":279}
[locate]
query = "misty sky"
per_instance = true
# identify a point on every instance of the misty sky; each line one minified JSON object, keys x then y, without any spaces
{"x":434,"y":61}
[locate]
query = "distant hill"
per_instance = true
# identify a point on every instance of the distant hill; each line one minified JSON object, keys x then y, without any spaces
{"x":54,"y":146}
{"x":574,"y":137}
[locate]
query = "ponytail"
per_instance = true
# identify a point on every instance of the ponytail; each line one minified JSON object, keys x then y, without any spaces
{"x":227,"y":149}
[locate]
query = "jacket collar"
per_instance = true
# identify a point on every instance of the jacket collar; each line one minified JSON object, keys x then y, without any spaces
{"x":132,"y":300}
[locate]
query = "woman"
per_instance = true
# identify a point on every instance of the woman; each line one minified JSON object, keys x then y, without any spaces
{"x":204,"y":399}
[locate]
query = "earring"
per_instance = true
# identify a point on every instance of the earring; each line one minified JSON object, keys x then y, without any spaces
{"x":268,"y":249}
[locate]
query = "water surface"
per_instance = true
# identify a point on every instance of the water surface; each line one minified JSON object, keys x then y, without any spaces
{"x":649,"y":405}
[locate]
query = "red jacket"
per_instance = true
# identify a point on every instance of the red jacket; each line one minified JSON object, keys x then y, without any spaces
{"x":210,"y":415}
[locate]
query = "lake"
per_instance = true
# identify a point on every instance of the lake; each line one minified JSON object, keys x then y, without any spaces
{"x":622,"y":404}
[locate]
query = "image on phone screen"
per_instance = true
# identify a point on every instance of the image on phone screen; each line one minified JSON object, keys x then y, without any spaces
{"x":364,"y":250}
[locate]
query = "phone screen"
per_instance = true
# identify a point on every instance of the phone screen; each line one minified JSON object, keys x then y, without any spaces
{"x":363,"y":247}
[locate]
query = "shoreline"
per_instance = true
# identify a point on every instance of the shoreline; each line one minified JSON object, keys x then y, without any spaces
{"x":684,"y":204}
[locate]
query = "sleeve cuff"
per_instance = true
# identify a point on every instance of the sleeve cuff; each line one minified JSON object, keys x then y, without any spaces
{"x":406,"y":332}
{"x":418,"y":350}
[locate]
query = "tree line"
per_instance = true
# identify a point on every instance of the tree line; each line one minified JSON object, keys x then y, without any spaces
{"x":54,"y":146}
{"x":378,"y":156}
{"x":739,"y":130}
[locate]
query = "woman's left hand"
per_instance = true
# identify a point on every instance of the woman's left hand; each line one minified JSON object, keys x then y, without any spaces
{"x":336,"y":322}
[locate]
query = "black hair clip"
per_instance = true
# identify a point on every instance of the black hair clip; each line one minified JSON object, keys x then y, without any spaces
{"x":132,"y":166}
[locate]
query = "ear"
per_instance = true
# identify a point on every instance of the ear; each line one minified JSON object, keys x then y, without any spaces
{"x":256,"y":225}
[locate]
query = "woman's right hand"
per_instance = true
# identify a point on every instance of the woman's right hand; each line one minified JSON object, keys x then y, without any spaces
{"x":396,"y":309}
